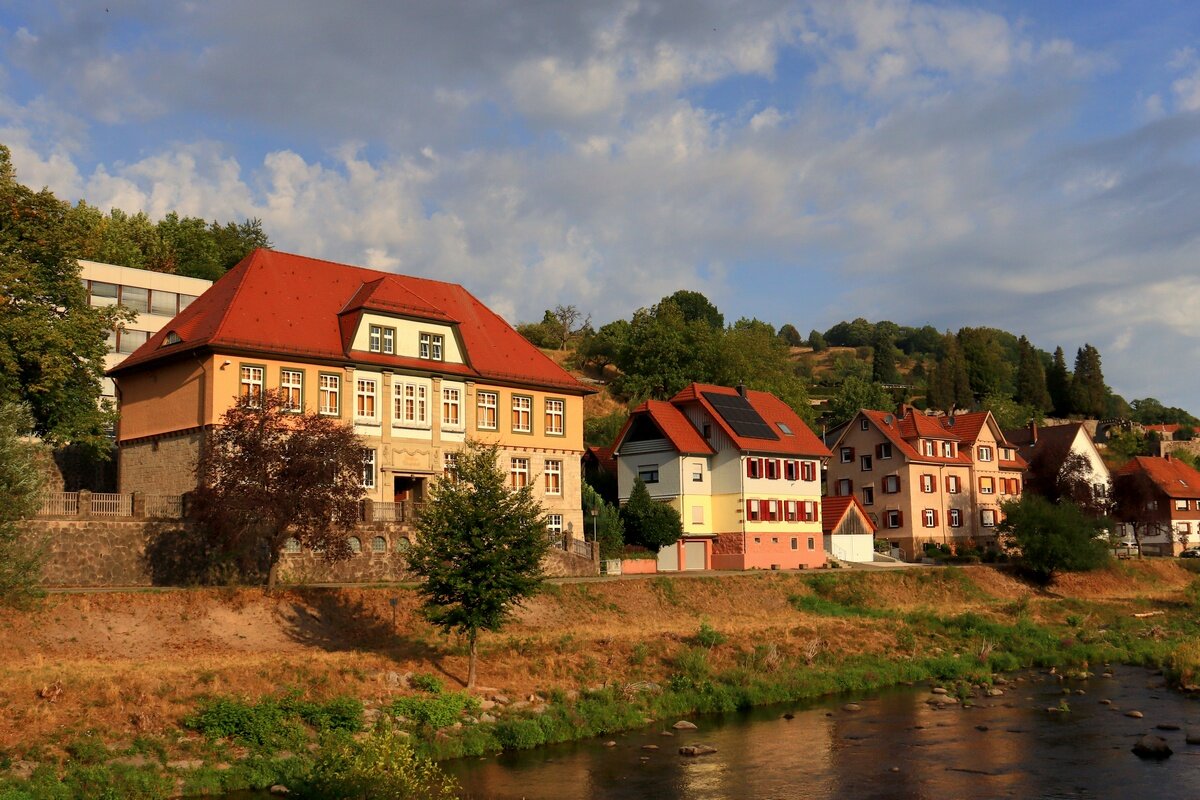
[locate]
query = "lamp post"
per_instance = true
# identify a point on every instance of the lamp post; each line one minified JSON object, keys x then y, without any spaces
{"x":595,"y":512}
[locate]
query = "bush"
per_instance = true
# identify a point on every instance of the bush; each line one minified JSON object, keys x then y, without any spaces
{"x":1051,"y":537}
{"x":426,"y":683}
{"x":708,"y":636}
{"x":273,"y":722}
{"x":436,"y":711}
{"x":383,"y":766}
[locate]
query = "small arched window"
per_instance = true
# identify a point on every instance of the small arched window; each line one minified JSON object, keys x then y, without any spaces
{"x":292,"y":545}
{"x":355,"y":544}
{"x":379,"y":545}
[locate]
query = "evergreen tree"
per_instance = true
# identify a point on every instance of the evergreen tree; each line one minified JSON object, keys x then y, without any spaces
{"x":479,"y":547}
{"x":949,"y":385}
{"x":816,"y":341}
{"x":1058,"y":384}
{"x":647,"y":523}
{"x":1031,"y":378}
{"x":1089,"y":395}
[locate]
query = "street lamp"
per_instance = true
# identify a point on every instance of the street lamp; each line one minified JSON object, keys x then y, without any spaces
{"x":595,"y":512}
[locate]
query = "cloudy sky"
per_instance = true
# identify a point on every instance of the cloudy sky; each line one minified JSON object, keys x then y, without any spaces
{"x":1030,"y":166}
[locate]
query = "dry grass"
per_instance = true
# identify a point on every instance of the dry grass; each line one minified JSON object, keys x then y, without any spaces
{"x":128,"y":664}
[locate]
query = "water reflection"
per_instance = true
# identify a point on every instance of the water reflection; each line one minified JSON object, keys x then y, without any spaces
{"x":896,"y":746}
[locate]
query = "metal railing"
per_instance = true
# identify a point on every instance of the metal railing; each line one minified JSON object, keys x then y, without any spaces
{"x":59,"y":504}
{"x":581,"y":548}
{"x":400,"y":511}
{"x":110,"y":504}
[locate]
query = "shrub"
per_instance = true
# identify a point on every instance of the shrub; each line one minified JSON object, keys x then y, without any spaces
{"x":383,"y":766}
{"x":436,"y":711}
{"x":262,"y":725}
{"x":708,"y":636}
{"x":1051,"y":537}
{"x":426,"y":683}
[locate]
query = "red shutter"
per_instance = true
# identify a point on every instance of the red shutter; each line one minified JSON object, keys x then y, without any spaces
{"x":749,"y":467}
{"x":879,"y":450}
{"x":935,"y":518}
{"x":900,"y":518}
{"x":948,"y":483}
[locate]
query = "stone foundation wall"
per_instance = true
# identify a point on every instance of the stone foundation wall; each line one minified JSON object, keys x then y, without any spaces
{"x":161,"y":465}
{"x":107,"y":552}
{"x":729,"y":544}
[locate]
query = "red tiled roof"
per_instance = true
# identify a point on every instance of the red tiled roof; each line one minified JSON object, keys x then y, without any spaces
{"x":298,"y":307}
{"x":673,"y":423}
{"x":913,"y":426}
{"x":834,"y":510}
{"x":801,"y":442}
{"x":1172,"y":476}
{"x":604,"y":457}
{"x":1166,"y":427}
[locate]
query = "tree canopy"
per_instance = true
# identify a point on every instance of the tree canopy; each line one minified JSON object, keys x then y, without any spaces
{"x":648,"y":523}
{"x":267,"y":474}
{"x":21,"y":483}
{"x":1049,"y":538}
{"x":479,"y":548}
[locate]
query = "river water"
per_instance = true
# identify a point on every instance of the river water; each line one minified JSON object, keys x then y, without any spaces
{"x":896,"y":746}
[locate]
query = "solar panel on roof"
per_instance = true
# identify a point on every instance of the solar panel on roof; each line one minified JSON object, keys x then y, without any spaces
{"x":740,"y":415}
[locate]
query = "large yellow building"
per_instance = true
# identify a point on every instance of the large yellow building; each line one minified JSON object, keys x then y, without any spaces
{"x":417,"y":366}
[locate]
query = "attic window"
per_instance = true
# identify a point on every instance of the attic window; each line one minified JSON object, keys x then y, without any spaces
{"x":783,"y":427}
{"x":172,"y":338}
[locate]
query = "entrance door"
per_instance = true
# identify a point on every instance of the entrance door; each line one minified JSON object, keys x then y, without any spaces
{"x":693,"y":555}
{"x":408,"y":488}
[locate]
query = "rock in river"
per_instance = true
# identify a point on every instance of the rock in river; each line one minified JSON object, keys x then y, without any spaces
{"x":1151,"y":746}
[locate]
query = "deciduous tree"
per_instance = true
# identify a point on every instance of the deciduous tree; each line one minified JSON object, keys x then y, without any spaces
{"x":21,"y":483}
{"x":267,"y":474}
{"x":855,"y":394}
{"x":479,"y":549}
{"x":1049,"y":538}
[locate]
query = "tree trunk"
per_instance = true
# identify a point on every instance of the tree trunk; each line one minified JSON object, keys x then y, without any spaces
{"x":471,"y":637}
{"x":272,"y":573}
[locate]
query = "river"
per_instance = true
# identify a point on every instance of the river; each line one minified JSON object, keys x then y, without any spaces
{"x":896,"y":746}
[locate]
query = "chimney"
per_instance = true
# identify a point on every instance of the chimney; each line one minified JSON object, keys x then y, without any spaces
{"x":1033,"y":431}
{"x":741,"y":389}
{"x":902,"y":411}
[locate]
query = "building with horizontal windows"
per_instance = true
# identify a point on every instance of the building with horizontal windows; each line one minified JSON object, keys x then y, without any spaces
{"x":924,"y":479}
{"x":416,"y":366}
{"x":742,"y":469}
{"x":156,"y":297}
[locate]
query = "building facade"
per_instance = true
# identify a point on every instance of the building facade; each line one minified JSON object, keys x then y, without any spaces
{"x":742,"y":470}
{"x":1170,"y":519}
{"x":416,"y":366}
{"x":156,"y":297}
{"x":926,"y":480}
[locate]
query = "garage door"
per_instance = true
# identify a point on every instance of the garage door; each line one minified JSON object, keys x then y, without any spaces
{"x":693,"y":555}
{"x":668,"y":559}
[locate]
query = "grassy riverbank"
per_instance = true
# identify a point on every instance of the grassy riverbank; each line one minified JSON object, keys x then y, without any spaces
{"x":147,"y":694}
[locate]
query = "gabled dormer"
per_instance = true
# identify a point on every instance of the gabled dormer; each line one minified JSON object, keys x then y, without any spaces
{"x":387,"y":320}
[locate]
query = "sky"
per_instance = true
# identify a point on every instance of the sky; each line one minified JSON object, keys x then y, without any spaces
{"x":1027,"y":166}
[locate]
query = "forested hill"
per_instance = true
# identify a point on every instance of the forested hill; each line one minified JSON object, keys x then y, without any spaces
{"x":829,"y":375}
{"x":178,"y":244}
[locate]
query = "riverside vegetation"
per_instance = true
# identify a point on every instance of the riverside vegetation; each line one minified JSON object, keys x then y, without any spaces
{"x":332,"y":717}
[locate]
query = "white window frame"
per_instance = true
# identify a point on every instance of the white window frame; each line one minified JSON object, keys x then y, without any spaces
{"x":329,"y":387}
{"x":985,"y":452}
{"x":291,"y":383}
{"x":846,"y":455}
{"x":554,"y":474}
{"x":452,"y":407}
{"x":891,"y":519}
{"x":449,"y":464}
{"x":368,"y":474}
{"x":375,"y":338}
{"x":487,"y":404}
{"x":518,"y":472}
{"x":987,"y":517}
{"x":954,"y":517}
{"x":890,"y":481}
{"x":522,"y":413}
{"x":929,"y":517}
{"x":556,"y":411}
{"x":366,"y":400}
{"x":410,"y":404}
{"x":389,"y":341}
{"x":251,"y":378}
{"x":885,"y":451}
{"x":987,"y":484}
{"x":865,"y":462}
{"x":948,"y":449}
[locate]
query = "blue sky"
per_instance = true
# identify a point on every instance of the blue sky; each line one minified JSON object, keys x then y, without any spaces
{"x":1031,"y":166}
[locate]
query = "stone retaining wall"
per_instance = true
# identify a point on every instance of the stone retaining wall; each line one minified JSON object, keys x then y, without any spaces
{"x":108,"y":552}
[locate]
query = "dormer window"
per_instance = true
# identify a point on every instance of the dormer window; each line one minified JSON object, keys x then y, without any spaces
{"x":948,"y":449}
{"x":172,"y":338}
{"x":381,"y":339}
{"x":431,"y":346}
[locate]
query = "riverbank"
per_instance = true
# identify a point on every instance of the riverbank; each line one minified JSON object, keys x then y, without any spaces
{"x":105,"y":685}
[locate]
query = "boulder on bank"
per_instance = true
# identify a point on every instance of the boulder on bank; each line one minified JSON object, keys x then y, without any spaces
{"x":696,"y":750}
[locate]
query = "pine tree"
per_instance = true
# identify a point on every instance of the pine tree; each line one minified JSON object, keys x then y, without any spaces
{"x":1058,"y":384}
{"x":1089,"y":395}
{"x":650,"y":524}
{"x":883,"y":364}
{"x":949,"y":385}
{"x":1031,"y":378}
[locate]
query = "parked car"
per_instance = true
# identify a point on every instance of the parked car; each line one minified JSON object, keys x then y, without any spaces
{"x":1191,"y":552}
{"x":1127,"y":550}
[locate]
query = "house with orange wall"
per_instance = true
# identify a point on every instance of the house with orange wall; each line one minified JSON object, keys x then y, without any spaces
{"x":924,"y":479}
{"x":416,"y":366}
{"x":1173,"y":503}
{"x":740,"y":467}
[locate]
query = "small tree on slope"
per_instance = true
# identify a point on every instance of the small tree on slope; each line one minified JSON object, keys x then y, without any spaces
{"x":650,"y":524}
{"x":480,"y":547}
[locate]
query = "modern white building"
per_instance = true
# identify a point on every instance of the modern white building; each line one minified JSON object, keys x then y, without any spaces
{"x":156,"y":297}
